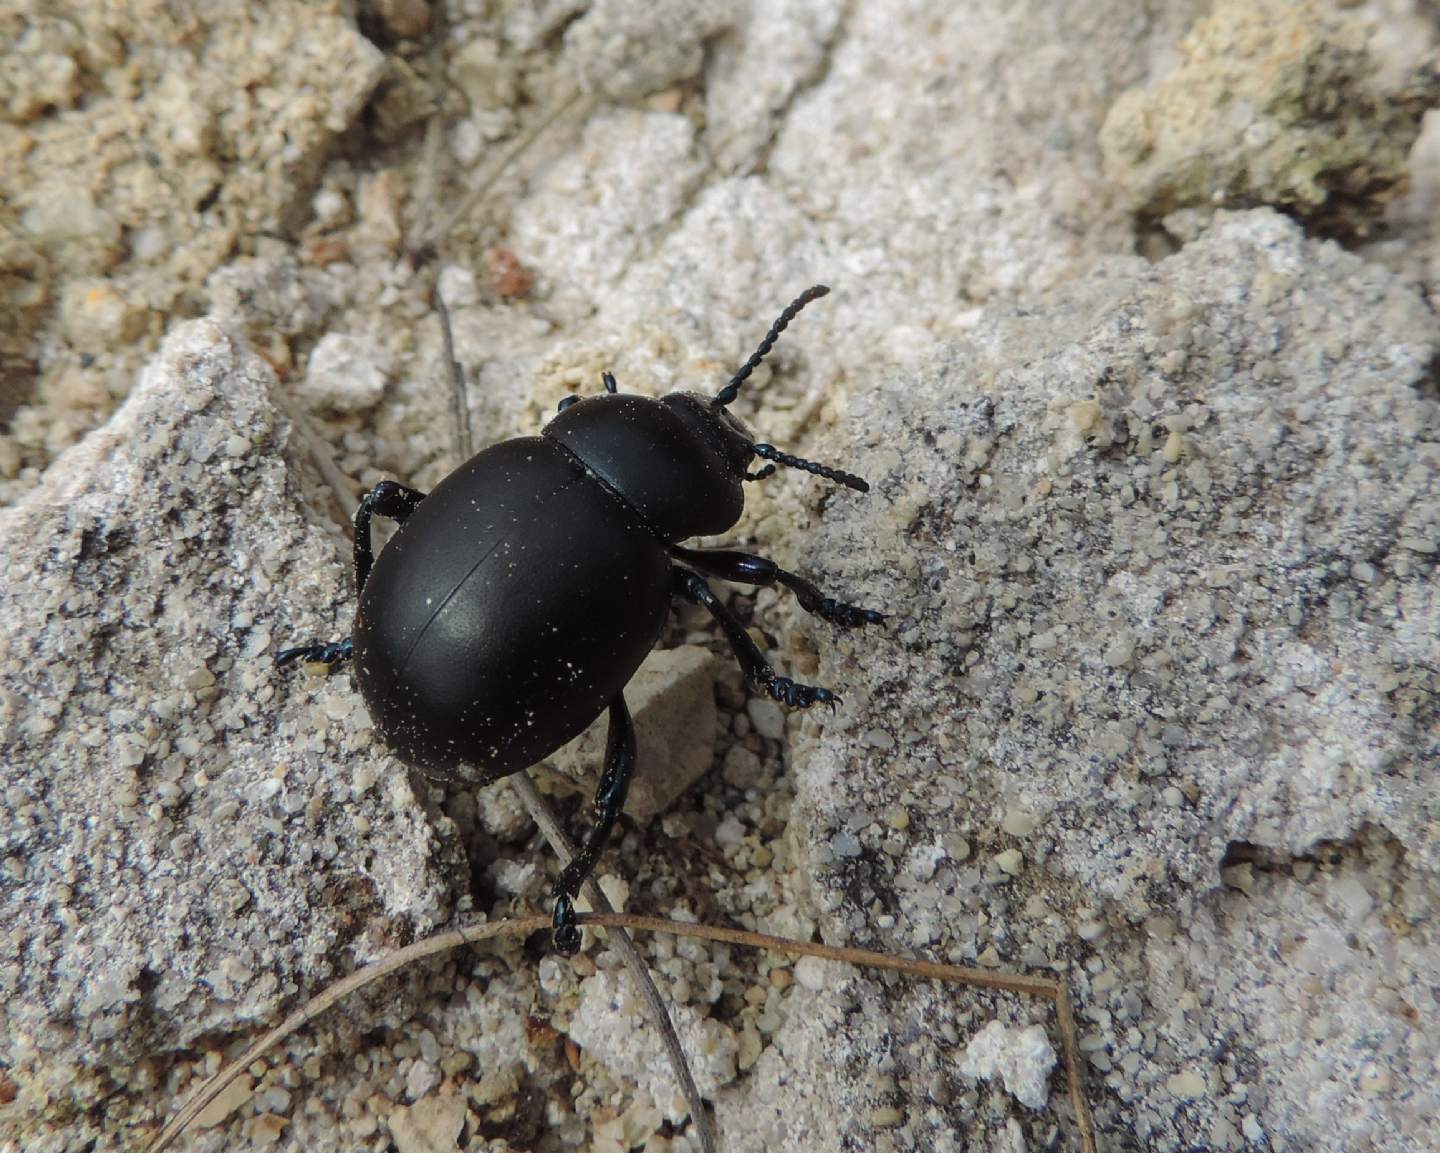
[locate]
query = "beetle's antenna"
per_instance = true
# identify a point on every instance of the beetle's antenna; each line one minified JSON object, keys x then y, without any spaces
{"x":731,"y":390}
{"x":770,"y":452}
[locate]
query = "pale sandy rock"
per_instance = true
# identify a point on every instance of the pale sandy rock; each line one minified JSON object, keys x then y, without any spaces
{"x":1157,"y":543}
{"x":1277,"y":103}
{"x":671,"y":700}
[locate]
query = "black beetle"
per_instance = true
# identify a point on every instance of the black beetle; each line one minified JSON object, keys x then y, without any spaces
{"x":516,"y":601}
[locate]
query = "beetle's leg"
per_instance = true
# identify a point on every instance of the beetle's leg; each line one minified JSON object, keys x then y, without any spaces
{"x":388,"y":499}
{"x":609,"y":800}
{"x":747,"y":568}
{"x":323,"y":653}
{"x":752,"y":661}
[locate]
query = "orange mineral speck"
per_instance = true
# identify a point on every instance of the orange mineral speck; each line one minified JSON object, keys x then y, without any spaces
{"x":507,"y":274}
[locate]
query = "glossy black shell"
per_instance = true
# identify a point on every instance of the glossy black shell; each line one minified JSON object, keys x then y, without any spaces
{"x":521,"y":595}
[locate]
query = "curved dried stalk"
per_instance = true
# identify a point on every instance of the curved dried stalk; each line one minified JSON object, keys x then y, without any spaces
{"x":1054,"y":991}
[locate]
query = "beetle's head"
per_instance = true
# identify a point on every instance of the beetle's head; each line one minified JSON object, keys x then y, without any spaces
{"x":720,"y":435}
{"x":680,"y":460}
{"x":741,"y":445}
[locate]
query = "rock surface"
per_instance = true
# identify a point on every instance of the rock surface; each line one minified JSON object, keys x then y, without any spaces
{"x":171,"y":823}
{"x":1168,"y":596}
{"x":1156,"y":708}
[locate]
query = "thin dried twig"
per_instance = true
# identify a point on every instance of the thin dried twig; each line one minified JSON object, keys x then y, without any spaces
{"x":1050,"y":990}
{"x":570,"y":99}
{"x":459,"y":410}
{"x":427,"y":180}
{"x":345,"y":491}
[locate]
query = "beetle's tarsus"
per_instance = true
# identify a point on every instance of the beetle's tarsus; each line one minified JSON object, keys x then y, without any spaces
{"x":564,"y":932}
{"x":756,"y":570}
{"x":799,"y":696}
{"x":329,"y":653}
{"x":847,"y":616}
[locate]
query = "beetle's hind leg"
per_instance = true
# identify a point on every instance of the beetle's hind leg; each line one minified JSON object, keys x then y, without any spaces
{"x":609,"y":801}
{"x":747,"y":568}
{"x":757,"y":671}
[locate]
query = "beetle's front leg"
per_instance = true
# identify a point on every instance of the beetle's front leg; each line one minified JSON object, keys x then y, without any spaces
{"x":752,"y":661}
{"x":747,"y":568}
{"x":609,"y":801}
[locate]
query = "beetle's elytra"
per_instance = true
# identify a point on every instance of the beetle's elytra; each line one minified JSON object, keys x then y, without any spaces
{"x":518,"y":598}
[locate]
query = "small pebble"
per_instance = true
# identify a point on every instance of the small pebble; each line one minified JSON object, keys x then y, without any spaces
{"x":1019,"y":823}
{"x":767,"y":717}
{"x":345,"y":374}
{"x":1010,"y":862}
{"x":1187,"y":1086}
{"x":1022,"y":1058}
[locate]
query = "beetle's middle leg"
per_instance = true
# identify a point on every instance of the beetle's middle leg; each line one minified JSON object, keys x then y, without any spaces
{"x":388,"y":499}
{"x":757,"y":670}
{"x":609,"y":800}
{"x":747,"y":568}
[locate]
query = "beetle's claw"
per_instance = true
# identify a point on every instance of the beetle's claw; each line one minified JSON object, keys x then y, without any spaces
{"x":566,"y":940}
